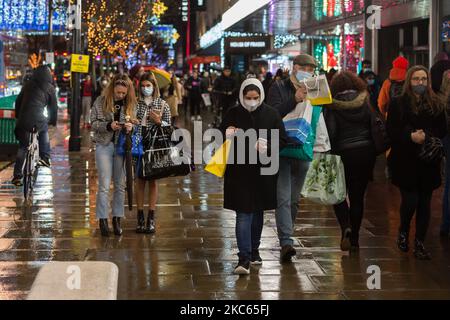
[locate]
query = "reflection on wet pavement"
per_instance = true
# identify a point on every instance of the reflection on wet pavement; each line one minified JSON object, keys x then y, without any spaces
{"x":193,"y":253}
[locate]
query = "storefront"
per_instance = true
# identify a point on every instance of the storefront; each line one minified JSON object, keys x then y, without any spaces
{"x":405,"y":30}
{"x":240,"y":52}
{"x":13,"y":64}
{"x":252,"y":37}
{"x":334,"y":30}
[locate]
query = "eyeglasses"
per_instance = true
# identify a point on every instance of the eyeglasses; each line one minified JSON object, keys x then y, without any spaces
{"x":417,"y":79}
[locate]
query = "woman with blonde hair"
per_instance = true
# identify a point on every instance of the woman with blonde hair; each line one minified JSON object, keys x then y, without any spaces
{"x":172,"y":95}
{"x":151,"y":110}
{"x":112,"y":112}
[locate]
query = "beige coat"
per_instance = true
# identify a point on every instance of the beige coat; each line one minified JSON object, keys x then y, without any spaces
{"x":174,"y":99}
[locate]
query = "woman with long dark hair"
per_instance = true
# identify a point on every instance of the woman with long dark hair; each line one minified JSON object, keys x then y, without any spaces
{"x":348,"y":122}
{"x":415,"y":119}
{"x":151,"y":110}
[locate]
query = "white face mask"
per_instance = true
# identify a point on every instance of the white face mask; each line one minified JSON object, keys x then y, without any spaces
{"x":251,"y":105}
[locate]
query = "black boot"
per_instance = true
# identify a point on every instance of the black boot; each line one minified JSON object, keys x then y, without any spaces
{"x":104,"y":229}
{"x":420,"y":252}
{"x":402,"y":242}
{"x":345,"y":239}
{"x":150,"y":227}
{"x":140,"y":222}
{"x":354,"y":241}
{"x":116,"y":226}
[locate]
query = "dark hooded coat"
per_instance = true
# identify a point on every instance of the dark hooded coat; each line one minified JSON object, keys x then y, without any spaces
{"x":36,"y":96}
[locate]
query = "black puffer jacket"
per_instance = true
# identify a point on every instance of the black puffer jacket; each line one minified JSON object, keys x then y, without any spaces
{"x":348,"y":121}
{"x":36,"y":95}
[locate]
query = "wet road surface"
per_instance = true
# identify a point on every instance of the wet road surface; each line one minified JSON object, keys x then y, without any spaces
{"x":193,"y":253}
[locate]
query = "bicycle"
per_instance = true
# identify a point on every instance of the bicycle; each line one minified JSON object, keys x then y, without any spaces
{"x":30,"y":166}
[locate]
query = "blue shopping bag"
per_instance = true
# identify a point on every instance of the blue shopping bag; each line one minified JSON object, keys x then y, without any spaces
{"x":298,"y":130}
{"x":137,"y":147}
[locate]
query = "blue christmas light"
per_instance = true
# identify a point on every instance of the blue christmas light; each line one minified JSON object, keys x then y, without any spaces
{"x":29,"y":16}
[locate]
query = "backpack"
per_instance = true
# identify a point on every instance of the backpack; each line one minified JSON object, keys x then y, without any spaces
{"x":396,"y":89}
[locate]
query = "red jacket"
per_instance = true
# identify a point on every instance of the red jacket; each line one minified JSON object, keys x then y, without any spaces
{"x":87,"y":89}
{"x":398,"y":73}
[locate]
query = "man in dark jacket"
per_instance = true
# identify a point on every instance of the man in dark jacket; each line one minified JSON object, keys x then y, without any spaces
{"x":442,"y":64}
{"x":225,"y":87}
{"x":284,"y":95}
{"x":195,"y":86}
{"x":36,"y":108}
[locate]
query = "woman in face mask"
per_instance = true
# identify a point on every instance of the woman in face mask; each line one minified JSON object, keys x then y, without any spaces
{"x":112,"y":112}
{"x":246,"y":190}
{"x":373,"y":87}
{"x":414,"y":119}
{"x":151,"y":110}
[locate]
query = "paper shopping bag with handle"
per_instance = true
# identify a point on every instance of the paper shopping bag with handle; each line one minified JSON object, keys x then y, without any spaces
{"x":218,"y":163}
{"x":319,"y":92}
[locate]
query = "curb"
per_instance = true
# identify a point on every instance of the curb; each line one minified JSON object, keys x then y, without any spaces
{"x":3,"y":167}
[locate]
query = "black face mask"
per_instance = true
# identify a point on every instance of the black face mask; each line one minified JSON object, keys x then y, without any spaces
{"x":419,"y":89}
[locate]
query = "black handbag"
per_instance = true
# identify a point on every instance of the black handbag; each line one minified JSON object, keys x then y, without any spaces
{"x":163,"y":157}
{"x":379,"y":133}
{"x":432,"y":150}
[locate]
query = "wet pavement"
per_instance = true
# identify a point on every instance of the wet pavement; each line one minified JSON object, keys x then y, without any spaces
{"x":193,"y":253}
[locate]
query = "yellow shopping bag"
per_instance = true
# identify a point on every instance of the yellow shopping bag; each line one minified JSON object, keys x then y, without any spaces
{"x":218,"y":162}
{"x":319,"y":92}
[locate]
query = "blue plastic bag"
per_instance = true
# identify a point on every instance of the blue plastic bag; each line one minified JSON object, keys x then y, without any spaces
{"x":297,"y":130}
{"x":305,"y":152}
{"x":137,"y":147}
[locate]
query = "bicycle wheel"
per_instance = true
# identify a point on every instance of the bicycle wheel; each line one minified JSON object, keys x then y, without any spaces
{"x":28,"y":177}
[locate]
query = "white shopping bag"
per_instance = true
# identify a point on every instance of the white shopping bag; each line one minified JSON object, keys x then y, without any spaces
{"x":325,"y":180}
{"x":206,"y":99}
{"x":302,"y":110}
{"x":322,"y":143}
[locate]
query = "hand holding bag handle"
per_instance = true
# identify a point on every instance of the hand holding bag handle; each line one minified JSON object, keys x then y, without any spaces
{"x":316,"y":85}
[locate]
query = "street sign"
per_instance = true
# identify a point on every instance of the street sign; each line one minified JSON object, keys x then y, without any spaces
{"x":80,"y":63}
{"x":50,"y":57}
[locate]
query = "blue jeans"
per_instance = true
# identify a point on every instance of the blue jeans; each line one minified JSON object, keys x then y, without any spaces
{"x":109,"y":166}
{"x":445,"y":227}
{"x":248,"y":233}
{"x":24,"y":139}
{"x":291,"y":178}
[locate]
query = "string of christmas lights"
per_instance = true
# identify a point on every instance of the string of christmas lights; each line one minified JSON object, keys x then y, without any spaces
{"x":111,"y":29}
{"x":29,"y":16}
{"x":336,"y":8}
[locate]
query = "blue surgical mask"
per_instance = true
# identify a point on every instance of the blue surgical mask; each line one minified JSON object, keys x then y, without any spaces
{"x":147,"y":91}
{"x":371,"y":82}
{"x":303,"y":75}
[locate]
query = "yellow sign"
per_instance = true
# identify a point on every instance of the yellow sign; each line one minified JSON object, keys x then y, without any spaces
{"x":80,"y":63}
